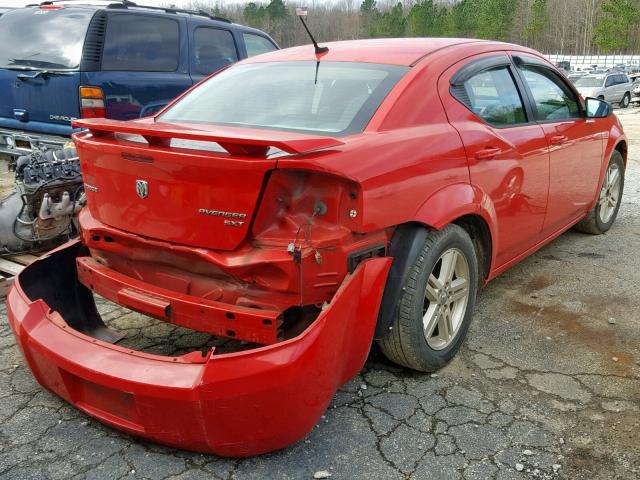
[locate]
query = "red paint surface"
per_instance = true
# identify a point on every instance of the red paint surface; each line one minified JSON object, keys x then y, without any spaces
{"x":424,"y":157}
{"x":235,"y":404}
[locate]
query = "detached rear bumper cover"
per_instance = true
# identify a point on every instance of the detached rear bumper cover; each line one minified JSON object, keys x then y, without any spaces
{"x":236,"y":404}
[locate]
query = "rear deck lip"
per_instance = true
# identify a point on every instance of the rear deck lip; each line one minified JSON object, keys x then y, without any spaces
{"x":242,"y":384}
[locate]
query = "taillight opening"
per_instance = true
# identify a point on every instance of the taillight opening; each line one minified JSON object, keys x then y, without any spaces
{"x":294,"y":199}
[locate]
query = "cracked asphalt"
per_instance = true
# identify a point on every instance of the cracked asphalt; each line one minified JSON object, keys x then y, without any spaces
{"x":546,"y":386}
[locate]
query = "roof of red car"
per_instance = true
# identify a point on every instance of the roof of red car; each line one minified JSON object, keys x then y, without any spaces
{"x":394,"y":51}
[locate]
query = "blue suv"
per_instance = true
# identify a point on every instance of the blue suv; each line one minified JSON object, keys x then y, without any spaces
{"x":65,"y":60}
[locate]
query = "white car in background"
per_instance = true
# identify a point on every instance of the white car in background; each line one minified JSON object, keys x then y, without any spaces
{"x":635,"y":89}
{"x":614,"y":87}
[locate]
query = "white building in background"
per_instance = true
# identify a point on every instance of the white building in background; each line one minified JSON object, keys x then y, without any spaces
{"x":582,"y":61}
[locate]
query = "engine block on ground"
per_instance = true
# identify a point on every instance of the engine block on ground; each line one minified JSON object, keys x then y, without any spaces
{"x":40,"y":212}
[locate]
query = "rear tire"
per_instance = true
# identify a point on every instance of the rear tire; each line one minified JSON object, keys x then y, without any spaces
{"x":436,"y":304}
{"x":626,"y":100}
{"x":601,"y":217}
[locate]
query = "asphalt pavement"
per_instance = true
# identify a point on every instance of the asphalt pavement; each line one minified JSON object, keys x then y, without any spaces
{"x":546,"y":386}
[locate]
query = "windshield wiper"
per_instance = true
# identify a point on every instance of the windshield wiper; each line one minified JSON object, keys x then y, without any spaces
{"x":37,"y":71}
{"x":42,"y":73}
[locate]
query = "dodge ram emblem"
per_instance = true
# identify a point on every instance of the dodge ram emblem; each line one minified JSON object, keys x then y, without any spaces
{"x":142,"y":188}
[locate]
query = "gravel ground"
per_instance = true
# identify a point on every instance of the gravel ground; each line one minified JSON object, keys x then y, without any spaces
{"x":6,"y":177}
{"x":547,"y":386}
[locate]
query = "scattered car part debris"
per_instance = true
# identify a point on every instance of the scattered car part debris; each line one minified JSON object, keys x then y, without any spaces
{"x":40,"y":213}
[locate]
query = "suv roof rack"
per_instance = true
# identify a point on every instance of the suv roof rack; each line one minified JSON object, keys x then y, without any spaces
{"x":128,"y":3}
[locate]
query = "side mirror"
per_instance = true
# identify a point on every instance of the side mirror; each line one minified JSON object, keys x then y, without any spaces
{"x":597,"y":108}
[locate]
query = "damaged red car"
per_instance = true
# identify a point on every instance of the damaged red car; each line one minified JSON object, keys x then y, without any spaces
{"x":306,"y":205}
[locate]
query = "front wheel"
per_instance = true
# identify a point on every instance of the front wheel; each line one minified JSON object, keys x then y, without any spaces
{"x":438,"y":297}
{"x":626,"y":100}
{"x":601,"y":217}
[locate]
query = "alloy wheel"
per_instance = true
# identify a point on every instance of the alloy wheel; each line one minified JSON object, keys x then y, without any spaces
{"x":446,"y":298}
{"x":610,"y":193}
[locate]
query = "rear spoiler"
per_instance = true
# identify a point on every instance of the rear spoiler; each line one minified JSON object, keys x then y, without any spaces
{"x":236,"y":140}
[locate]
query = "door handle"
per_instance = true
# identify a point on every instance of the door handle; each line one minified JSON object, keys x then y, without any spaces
{"x":487,"y":153}
{"x":558,"y":139}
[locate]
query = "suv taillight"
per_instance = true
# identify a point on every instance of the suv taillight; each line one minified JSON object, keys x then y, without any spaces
{"x":92,"y":102}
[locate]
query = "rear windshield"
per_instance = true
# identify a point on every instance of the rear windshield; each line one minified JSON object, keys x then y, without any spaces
{"x":589,"y":82}
{"x":331,"y":98}
{"x":44,"y":39}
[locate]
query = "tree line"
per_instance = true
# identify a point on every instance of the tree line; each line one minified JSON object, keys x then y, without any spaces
{"x":581,"y":27}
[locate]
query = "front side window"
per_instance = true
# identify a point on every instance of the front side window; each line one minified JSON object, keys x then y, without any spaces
{"x":141,"y":43}
{"x":330,"y":98}
{"x":552,"y":98}
{"x":494,"y":97}
{"x":256,"y":44}
{"x":215,"y":49}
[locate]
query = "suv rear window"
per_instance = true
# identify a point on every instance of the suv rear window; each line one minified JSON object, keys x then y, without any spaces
{"x":37,"y":38}
{"x":141,"y":43}
{"x":320,"y":97}
{"x":589,"y":82}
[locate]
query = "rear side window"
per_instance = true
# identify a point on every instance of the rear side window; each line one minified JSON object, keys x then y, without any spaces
{"x":215,"y":49}
{"x":493,"y":96}
{"x":552,"y":97}
{"x":141,"y":43}
{"x":256,"y":44}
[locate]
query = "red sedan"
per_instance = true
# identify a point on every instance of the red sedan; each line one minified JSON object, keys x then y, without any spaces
{"x":307,"y":204}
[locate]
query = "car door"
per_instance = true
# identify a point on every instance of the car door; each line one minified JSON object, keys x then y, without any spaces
{"x":143,"y":65}
{"x":611,"y":89}
{"x":506,"y":150}
{"x":615,"y":90}
{"x":623,"y":85}
{"x":212,"y":49}
{"x":575,"y":146}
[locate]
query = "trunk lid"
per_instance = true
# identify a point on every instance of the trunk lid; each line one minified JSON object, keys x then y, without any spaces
{"x":195,"y":194}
